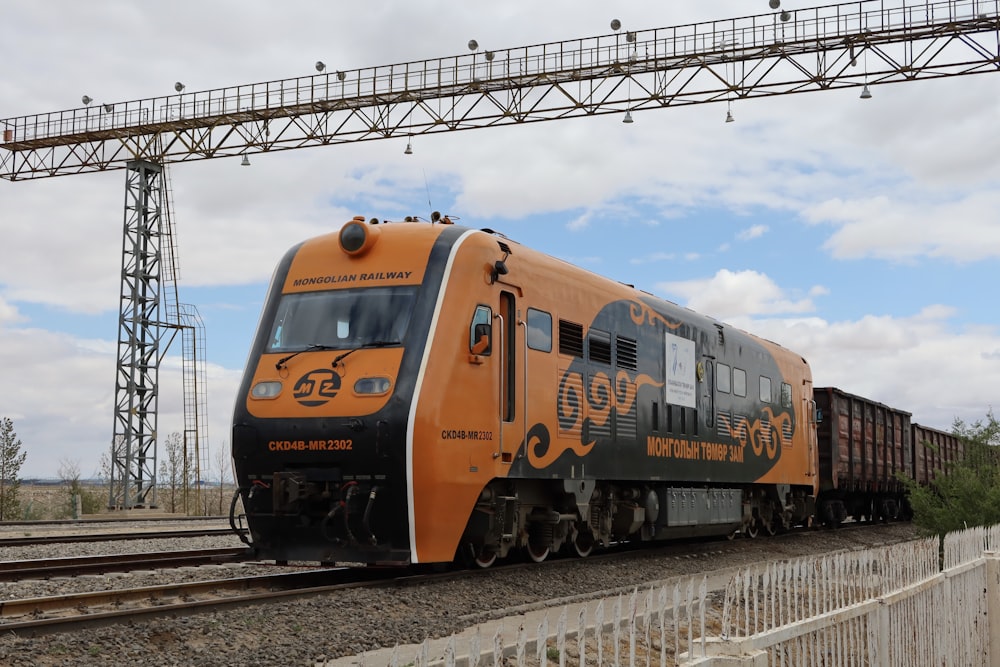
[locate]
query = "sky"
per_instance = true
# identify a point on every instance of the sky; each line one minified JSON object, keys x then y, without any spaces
{"x":863,"y":234}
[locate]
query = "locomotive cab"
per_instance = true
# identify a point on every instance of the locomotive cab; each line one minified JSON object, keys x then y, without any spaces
{"x":317,"y":434}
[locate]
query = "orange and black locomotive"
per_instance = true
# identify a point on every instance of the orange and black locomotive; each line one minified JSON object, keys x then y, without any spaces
{"x":418,"y":392}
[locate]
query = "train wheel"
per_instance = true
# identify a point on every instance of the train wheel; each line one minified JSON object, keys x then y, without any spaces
{"x":752,"y":529}
{"x":483,"y":558}
{"x":536,"y":553}
{"x":770,"y":525}
{"x":583,"y":544}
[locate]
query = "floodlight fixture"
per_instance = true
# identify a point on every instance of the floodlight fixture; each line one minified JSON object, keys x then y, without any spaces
{"x":616,"y":24}
{"x":179,"y":87}
{"x":320,"y":65}
{"x":473,"y":45}
{"x":86,"y":100}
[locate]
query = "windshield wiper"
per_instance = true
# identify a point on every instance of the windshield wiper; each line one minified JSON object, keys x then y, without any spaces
{"x":374,"y":343}
{"x":308,"y":348}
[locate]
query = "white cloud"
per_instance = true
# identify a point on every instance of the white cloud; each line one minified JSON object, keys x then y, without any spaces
{"x":62,"y":400}
{"x":754,"y":232}
{"x":731,"y":294}
{"x":912,"y":363}
{"x":582,"y":221}
{"x":653,"y":257}
{"x":963,"y":230}
{"x":8,"y":313}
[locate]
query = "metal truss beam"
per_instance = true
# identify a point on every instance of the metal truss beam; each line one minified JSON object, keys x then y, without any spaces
{"x":870,"y":42}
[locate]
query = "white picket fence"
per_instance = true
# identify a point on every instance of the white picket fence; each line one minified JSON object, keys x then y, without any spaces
{"x":905,"y":605}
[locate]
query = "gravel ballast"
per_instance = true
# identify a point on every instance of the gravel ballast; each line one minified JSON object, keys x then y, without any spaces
{"x":310,"y":631}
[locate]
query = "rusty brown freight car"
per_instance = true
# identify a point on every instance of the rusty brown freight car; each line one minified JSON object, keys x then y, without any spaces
{"x":933,"y":451}
{"x":862,"y":445}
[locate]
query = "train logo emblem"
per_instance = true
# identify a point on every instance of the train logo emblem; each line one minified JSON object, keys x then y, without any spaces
{"x":316,"y":387}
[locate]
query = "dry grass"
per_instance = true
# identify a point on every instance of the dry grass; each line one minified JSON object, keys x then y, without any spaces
{"x":41,"y":502}
{"x":52,"y":501}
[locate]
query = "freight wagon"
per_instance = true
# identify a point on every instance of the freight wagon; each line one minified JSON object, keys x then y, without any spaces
{"x":865,"y":450}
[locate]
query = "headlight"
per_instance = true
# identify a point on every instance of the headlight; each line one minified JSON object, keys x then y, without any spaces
{"x":357,"y":238}
{"x":372,"y":386}
{"x":268,"y":389}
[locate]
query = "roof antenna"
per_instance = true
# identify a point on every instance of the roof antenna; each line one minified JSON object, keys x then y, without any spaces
{"x":427,"y":187}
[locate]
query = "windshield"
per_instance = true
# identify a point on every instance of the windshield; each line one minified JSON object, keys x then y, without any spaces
{"x":342,"y":319}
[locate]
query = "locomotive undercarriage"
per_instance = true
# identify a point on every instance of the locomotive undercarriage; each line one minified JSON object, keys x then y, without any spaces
{"x":541,"y":517}
{"x":872,"y":505}
{"x":317,"y":515}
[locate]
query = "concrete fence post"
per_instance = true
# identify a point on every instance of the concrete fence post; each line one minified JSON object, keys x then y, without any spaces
{"x":726,"y":653}
{"x":992,"y":607}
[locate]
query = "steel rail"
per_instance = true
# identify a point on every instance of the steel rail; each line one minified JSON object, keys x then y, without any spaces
{"x":65,"y":612}
{"x":112,"y":519}
{"x":46,"y":568}
{"x":112,"y":537}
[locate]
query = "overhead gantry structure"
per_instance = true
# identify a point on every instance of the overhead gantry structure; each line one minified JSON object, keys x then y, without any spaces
{"x":858,"y":45}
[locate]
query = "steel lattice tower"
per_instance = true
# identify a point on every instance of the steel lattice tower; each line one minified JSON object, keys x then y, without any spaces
{"x":133,"y":466}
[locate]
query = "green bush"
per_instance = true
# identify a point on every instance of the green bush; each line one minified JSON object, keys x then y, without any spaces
{"x":968,"y":493}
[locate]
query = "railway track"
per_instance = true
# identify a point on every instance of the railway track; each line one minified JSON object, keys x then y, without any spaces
{"x":74,"y":611}
{"x":60,"y":538}
{"x":46,"y":568}
{"x":111,"y":519}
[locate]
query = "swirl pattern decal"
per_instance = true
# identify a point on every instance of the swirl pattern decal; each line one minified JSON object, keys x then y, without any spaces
{"x":600,"y":396}
{"x":571,"y":402}
{"x":541,"y":453}
{"x":614,"y":416}
{"x":642,"y":314}
{"x":599,"y":399}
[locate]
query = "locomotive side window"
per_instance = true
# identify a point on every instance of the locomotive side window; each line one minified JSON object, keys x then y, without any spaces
{"x":765,"y":389}
{"x":539,"y":330}
{"x":570,"y":339}
{"x":786,"y":395}
{"x":480,"y":331}
{"x":722,"y":378}
{"x":739,"y":382}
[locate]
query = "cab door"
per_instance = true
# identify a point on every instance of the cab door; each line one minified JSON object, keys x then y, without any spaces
{"x":706,"y":376}
{"x":809,"y":408}
{"x":509,"y":379}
